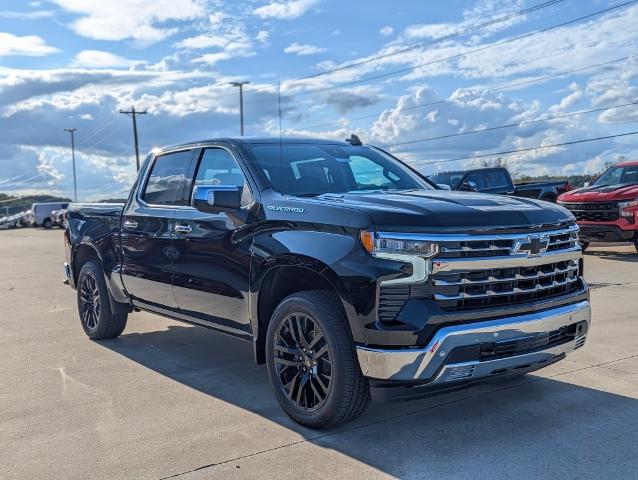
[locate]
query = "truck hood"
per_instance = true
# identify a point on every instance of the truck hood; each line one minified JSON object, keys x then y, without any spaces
{"x":601,"y":194}
{"x":439,"y":209}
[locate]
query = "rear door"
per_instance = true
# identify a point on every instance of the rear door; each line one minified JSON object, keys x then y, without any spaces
{"x":212,"y":262}
{"x":147,"y":230}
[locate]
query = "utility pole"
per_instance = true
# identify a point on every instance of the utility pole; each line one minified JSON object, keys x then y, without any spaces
{"x":241,"y":103}
{"x":75,"y":183}
{"x":133,"y":113}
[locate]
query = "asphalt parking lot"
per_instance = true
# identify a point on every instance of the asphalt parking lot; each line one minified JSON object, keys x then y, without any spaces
{"x":170,"y":400}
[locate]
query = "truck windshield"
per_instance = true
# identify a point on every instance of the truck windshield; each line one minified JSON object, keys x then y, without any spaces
{"x":453,"y":179}
{"x":315,"y":169}
{"x":621,"y":175}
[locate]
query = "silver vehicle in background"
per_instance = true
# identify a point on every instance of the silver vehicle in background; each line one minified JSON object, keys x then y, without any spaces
{"x":42,"y":213}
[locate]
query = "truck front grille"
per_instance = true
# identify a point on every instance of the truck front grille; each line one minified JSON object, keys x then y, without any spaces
{"x":474,"y":272}
{"x":489,"y":288}
{"x":593,"y":212}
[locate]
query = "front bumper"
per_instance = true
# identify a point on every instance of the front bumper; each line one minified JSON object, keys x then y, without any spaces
{"x":605,"y":233}
{"x":448,"y":358}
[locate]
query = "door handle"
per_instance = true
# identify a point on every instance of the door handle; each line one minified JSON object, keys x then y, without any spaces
{"x":183,"y":228}
{"x":130,"y":224}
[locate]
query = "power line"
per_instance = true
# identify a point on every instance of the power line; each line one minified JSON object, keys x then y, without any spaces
{"x":134,"y":115}
{"x":497,"y":89}
{"x":463,"y":54}
{"x":509,"y":125}
{"x":433,"y":41}
{"x":458,"y":33}
{"x":530,"y":149}
{"x":95,"y":131}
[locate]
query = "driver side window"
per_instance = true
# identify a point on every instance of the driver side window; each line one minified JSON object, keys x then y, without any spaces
{"x":218,"y":167}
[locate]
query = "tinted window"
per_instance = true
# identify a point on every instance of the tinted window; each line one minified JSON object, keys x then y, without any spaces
{"x":453,"y":179}
{"x":497,"y":178}
{"x":165,"y":185}
{"x":313,"y":169}
{"x":618,"y":176}
{"x":218,"y":167}
{"x":479,"y":178}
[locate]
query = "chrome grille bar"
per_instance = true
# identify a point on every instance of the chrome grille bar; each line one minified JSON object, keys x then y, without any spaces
{"x":573,"y":267}
{"x":505,"y":293}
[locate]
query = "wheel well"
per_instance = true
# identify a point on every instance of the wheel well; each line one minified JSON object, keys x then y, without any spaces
{"x":549,"y":197}
{"x":278,"y":284}
{"x":83,"y":254}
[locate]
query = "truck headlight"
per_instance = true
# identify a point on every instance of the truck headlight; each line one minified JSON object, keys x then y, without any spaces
{"x":628,"y":208}
{"x":416,"y":252}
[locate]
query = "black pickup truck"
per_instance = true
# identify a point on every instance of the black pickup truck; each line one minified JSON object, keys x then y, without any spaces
{"x":497,"y":180}
{"x":353,"y":276}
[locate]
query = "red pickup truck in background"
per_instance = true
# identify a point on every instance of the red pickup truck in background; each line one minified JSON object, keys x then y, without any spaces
{"x":607,"y":210}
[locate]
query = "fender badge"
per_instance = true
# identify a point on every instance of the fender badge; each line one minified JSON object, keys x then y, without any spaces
{"x":278,"y":208}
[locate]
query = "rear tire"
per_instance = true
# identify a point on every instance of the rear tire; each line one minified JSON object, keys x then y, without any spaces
{"x":312,"y":363}
{"x":94,"y":307}
{"x":47,"y":223}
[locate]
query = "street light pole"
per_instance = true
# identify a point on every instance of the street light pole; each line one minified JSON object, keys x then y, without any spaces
{"x":75,"y":184}
{"x":241,"y":103}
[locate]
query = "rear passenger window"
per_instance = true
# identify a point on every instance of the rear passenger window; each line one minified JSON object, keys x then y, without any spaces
{"x":165,"y":185}
{"x":218,"y":167}
{"x":498,"y":179}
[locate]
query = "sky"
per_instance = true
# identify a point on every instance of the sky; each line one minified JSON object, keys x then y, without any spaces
{"x":400,"y":74}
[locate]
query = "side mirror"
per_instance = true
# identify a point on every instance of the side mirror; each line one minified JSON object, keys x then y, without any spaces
{"x":216,"y":198}
{"x":444,"y":186}
{"x":470,"y":186}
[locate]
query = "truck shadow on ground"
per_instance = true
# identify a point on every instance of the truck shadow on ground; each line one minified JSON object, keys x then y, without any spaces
{"x":525,"y":428}
{"x":612,"y":255}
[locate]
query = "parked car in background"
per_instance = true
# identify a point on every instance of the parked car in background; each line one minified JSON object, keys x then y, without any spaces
{"x":27,"y":218}
{"x":607,"y":210}
{"x":10,"y":221}
{"x":42,"y":213}
{"x":57,"y":218}
{"x":351,"y":275}
{"x":498,"y":180}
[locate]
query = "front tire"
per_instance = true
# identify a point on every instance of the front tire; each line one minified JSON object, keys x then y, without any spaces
{"x":312,"y":363}
{"x":47,"y":223}
{"x":584,"y":246}
{"x":98,"y":321}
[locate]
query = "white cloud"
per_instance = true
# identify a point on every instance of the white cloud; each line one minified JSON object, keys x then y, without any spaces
{"x":101,"y":59}
{"x":122,"y":19}
{"x":285,"y":10}
{"x":386,"y":31}
{"x":34,"y":15}
{"x":263,"y":37}
{"x":303,"y":49}
{"x":29,"y":45}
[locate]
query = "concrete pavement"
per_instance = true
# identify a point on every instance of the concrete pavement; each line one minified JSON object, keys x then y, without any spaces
{"x":168,"y":400}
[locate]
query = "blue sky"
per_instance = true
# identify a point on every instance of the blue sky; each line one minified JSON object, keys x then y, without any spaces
{"x":392,"y":72}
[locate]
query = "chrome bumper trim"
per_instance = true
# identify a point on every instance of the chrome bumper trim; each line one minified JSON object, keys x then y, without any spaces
{"x":429,"y":363}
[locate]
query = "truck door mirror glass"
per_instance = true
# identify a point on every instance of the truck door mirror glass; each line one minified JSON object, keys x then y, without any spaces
{"x":470,"y":186}
{"x":216,"y":198}
{"x":443,"y":186}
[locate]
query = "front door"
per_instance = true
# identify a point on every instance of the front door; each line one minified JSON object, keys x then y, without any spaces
{"x":211,"y":269}
{"x":148,"y":227}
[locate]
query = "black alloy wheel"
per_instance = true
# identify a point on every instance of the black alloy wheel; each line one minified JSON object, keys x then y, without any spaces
{"x":303,"y":361}
{"x":95,"y":304}
{"x":312,"y":362}
{"x":89,"y":301}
